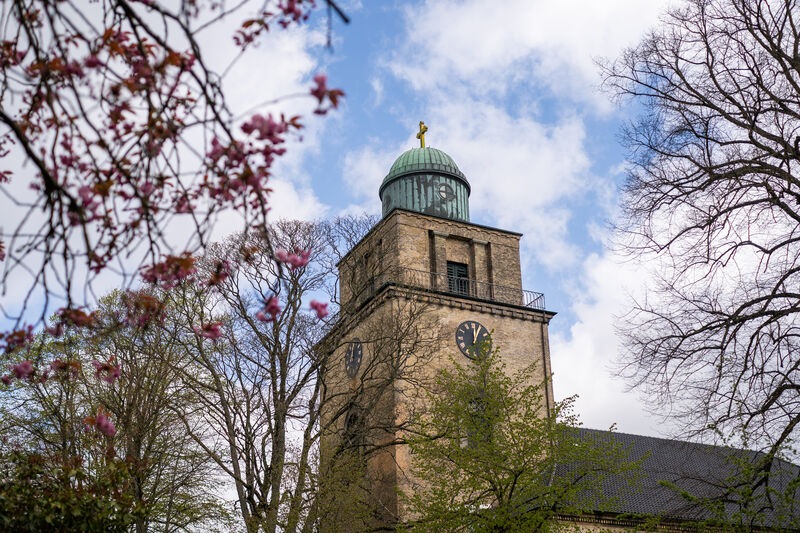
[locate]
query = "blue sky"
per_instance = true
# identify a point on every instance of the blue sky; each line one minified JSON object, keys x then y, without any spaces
{"x":512,"y":92}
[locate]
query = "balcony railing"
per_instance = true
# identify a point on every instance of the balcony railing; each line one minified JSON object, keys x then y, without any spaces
{"x":441,"y":283}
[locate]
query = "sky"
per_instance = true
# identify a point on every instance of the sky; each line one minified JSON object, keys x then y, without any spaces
{"x":512,"y":92}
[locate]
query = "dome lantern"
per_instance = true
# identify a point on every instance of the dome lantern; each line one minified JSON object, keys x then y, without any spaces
{"x":426,"y":180}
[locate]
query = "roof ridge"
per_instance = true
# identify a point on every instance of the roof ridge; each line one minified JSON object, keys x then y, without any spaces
{"x":687,"y":442}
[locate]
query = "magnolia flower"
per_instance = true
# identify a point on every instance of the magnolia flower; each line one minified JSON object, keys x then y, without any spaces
{"x":320,"y":308}
{"x":108,"y":371}
{"x":211,"y":331}
{"x":271,"y":310}
{"x":105,"y":425}
{"x":296,"y":260}
{"x":22,"y":370}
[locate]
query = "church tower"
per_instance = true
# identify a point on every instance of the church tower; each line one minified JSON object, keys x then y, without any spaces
{"x":420,"y":290}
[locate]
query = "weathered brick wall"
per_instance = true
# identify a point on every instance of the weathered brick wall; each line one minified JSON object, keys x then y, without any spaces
{"x":492,"y":254}
{"x":398,"y":341}
{"x":423,"y":243}
{"x":421,"y":326}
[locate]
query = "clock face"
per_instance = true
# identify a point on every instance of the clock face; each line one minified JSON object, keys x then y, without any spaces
{"x":472,"y":336}
{"x":352,"y":357}
{"x":446,"y":192}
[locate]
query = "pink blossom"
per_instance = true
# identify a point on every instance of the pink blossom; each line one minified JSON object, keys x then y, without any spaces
{"x":142,"y":309}
{"x":271,"y":310}
{"x":69,"y":369}
{"x":22,"y":370}
{"x":108,"y":371}
{"x":17,"y":338}
{"x":291,"y":9}
{"x":216,"y":151}
{"x":296,"y":260}
{"x":90,"y":205}
{"x":321,"y":92}
{"x":146,"y":188}
{"x":73,"y":68}
{"x":74,"y":317}
{"x":56,"y":330}
{"x":272,"y":306}
{"x":222,"y":270}
{"x":87,"y":195}
{"x":77,"y":317}
{"x":92,"y":61}
{"x":187,"y":60}
{"x":321,"y":88}
{"x":105,"y":425}
{"x":211,"y":331}
{"x":6,"y":379}
{"x":320,"y":308}
{"x":267,"y":128}
{"x":182,"y":205}
{"x":170,"y":271}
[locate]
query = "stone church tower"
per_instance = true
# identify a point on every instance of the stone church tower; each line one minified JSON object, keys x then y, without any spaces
{"x":417,"y":292}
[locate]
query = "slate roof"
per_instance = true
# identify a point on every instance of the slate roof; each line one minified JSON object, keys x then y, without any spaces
{"x":705,"y":471}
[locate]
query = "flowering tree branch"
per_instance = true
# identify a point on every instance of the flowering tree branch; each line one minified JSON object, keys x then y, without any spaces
{"x":106,"y":105}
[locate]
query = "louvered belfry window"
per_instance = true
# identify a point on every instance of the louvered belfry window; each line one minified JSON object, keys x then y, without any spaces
{"x":457,"y":278}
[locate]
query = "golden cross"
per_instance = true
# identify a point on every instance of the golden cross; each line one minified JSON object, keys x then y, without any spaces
{"x":421,"y":135}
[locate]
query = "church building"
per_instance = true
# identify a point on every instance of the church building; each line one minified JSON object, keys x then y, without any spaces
{"x":424,"y":286}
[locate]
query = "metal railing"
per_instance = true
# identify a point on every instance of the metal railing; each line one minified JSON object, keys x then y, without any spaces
{"x":442,"y":283}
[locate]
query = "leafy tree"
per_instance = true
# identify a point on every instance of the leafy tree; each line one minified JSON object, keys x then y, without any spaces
{"x":252,"y":338}
{"x":488,"y":457}
{"x":219,"y":370}
{"x":59,"y":470}
{"x":713,"y":199}
{"x":48,"y":493}
{"x":137,"y":467}
{"x":173,"y":483}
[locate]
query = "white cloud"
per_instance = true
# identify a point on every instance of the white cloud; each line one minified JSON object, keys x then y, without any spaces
{"x":363,"y":172}
{"x":377,"y":91}
{"x":481,"y":77}
{"x":494,"y":46}
{"x":291,"y":202}
{"x":280,"y":65}
{"x":520,"y":170}
{"x":584,"y":361}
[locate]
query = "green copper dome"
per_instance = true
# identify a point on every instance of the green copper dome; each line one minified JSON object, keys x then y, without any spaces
{"x":428,"y":181}
{"x":417,"y":159}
